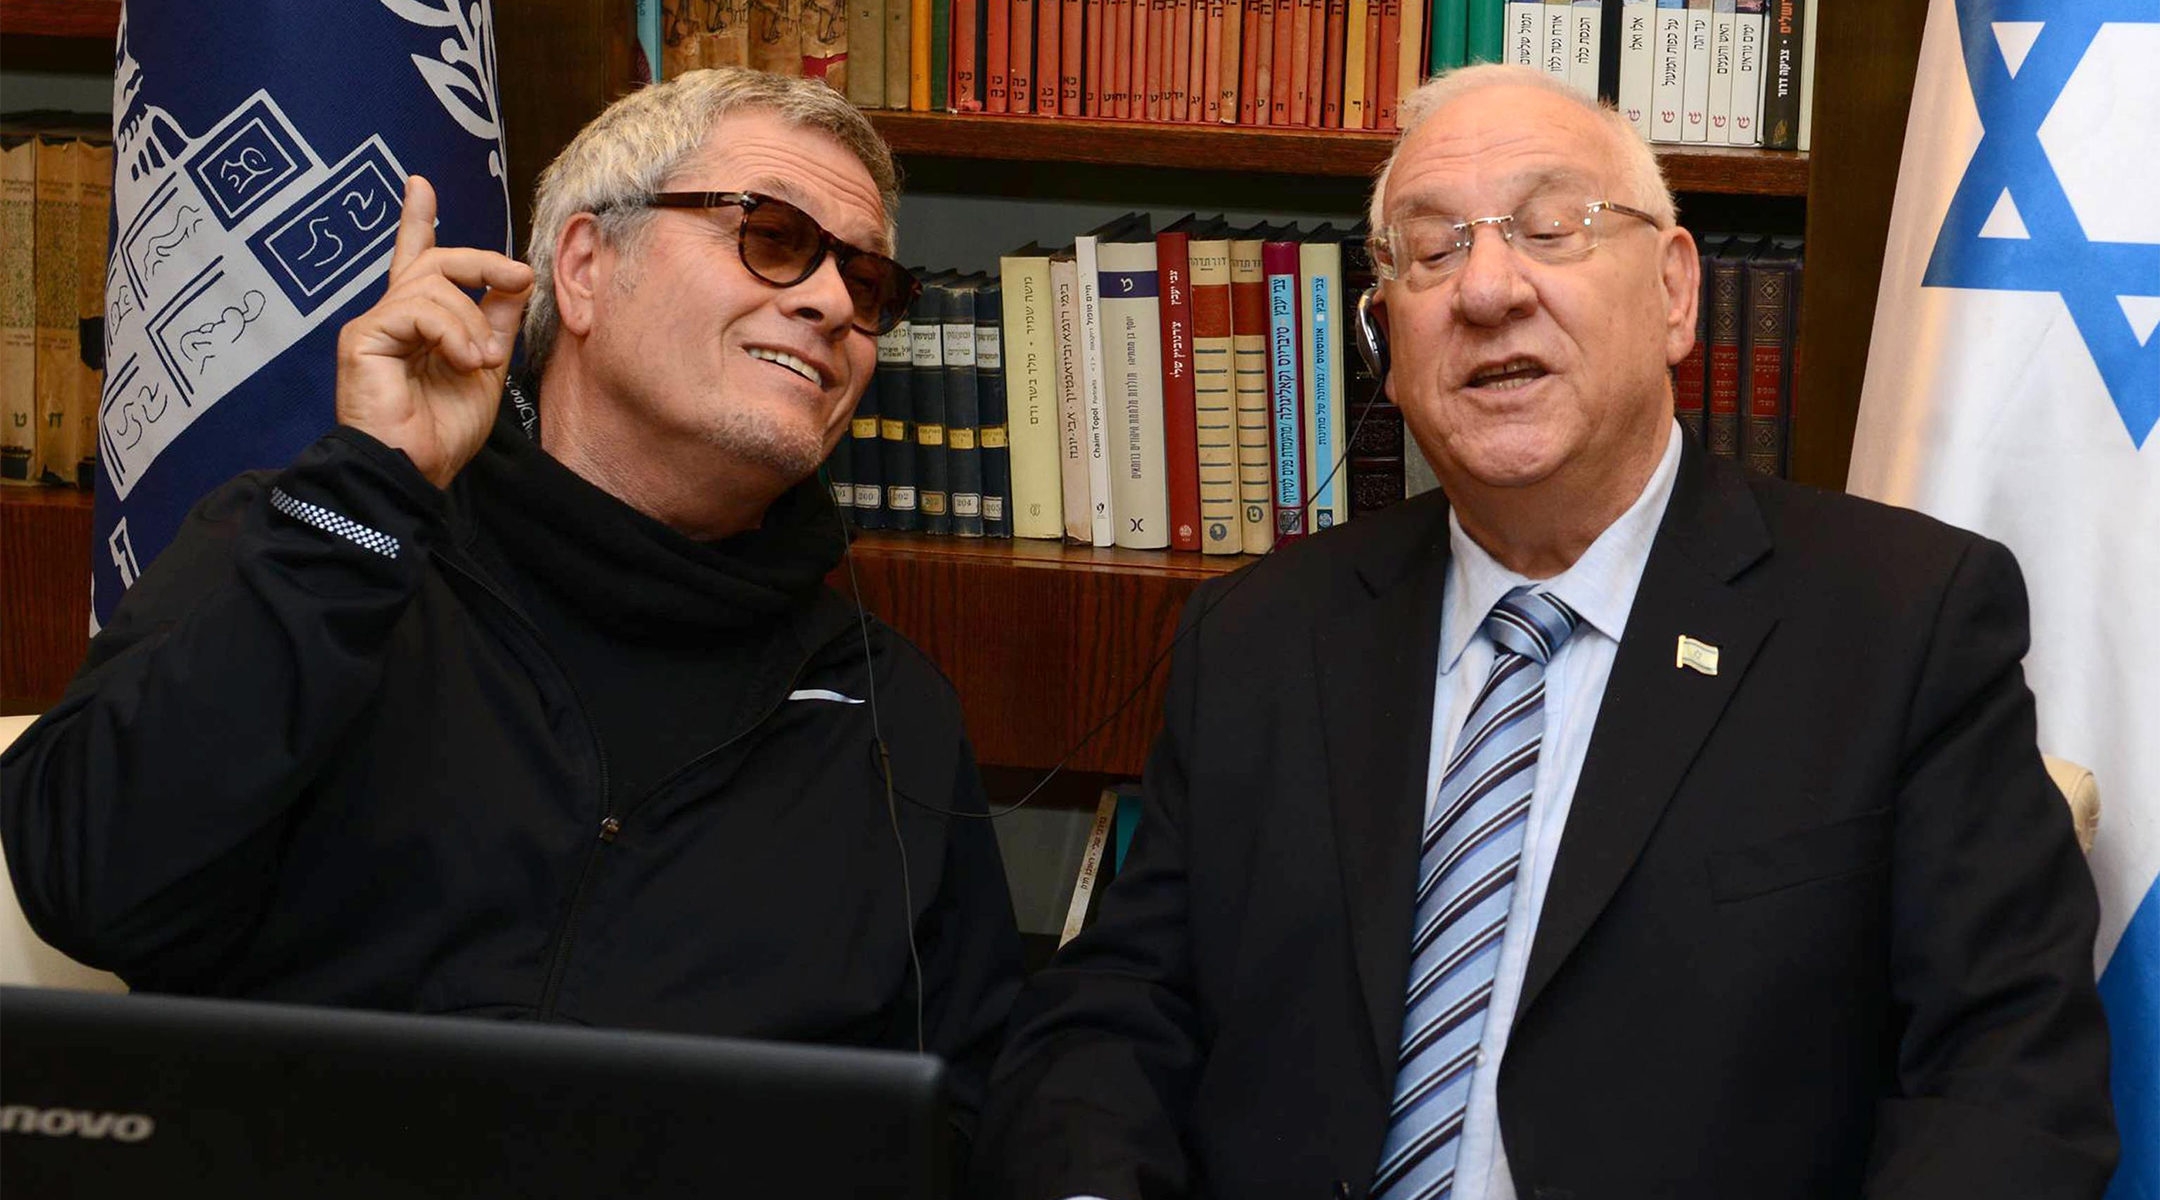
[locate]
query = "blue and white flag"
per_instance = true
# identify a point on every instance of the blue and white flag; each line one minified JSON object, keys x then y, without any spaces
{"x":260,"y":150}
{"x":2013,"y":388}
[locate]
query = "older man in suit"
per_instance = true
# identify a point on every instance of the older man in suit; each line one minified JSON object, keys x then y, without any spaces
{"x":1617,"y":824}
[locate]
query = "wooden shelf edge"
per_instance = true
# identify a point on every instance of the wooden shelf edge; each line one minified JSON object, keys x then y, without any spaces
{"x":1713,"y":169}
{"x":61,"y":18}
{"x":1034,"y":554}
{"x":41,"y":496}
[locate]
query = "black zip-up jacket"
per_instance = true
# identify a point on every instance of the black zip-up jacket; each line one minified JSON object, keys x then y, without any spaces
{"x":322,"y":754}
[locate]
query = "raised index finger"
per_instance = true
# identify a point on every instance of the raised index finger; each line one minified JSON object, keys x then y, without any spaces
{"x":416,"y":228}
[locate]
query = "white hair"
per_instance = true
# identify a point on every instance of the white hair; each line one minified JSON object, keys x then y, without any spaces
{"x":1640,"y":176}
{"x":631,"y":150}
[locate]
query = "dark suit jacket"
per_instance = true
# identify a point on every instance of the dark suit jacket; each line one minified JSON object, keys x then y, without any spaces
{"x":1818,"y":923}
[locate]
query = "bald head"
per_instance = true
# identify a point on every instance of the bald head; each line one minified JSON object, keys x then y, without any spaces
{"x":1489,"y":100}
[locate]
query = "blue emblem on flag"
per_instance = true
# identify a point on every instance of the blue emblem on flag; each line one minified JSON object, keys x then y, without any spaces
{"x":259,"y":166}
{"x":2013,"y":226}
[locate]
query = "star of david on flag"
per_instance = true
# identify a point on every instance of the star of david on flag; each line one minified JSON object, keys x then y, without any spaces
{"x":2013,"y":388}
{"x":259,"y":164}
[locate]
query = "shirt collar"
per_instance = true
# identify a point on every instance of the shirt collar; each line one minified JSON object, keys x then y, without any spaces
{"x":1600,"y":585}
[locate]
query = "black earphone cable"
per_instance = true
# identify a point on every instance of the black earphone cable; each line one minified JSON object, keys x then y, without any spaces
{"x":884,"y":765}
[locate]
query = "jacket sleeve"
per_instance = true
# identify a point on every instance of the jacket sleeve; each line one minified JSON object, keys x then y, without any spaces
{"x":1090,"y":1094}
{"x":142,"y":815}
{"x":970,"y":949}
{"x":2002,"y":1060}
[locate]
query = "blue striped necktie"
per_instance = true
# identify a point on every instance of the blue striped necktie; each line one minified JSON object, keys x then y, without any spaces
{"x":1466,"y":880}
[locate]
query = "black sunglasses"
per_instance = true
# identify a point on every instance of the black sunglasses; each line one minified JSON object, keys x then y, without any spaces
{"x":783,"y":245}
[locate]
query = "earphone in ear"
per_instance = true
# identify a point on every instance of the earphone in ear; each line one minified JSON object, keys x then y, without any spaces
{"x":1371,"y":334}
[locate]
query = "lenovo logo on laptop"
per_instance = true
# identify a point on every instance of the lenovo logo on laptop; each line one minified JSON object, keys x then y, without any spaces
{"x":74,"y":1122}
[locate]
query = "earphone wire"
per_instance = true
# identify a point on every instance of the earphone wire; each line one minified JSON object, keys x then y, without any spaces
{"x":884,"y":763}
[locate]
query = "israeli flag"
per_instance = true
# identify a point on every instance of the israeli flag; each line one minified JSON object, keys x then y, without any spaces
{"x":2013,"y":388}
{"x":260,"y":150}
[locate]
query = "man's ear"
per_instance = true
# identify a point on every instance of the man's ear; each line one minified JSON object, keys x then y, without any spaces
{"x":1680,"y":269}
{"x":580,"y":267}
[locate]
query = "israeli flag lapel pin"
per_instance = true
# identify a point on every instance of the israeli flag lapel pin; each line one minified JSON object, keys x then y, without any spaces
{"x":1696,"y":655}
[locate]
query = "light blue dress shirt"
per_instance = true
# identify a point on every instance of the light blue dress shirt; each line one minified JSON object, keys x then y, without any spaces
{"x":1601,"y":587}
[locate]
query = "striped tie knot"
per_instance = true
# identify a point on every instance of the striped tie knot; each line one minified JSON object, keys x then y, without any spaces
{"x":1531,"y":624}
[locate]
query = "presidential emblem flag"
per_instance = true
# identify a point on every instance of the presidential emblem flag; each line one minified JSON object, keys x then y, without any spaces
{"x":260,"y":151}
{"x":2013,"y":388}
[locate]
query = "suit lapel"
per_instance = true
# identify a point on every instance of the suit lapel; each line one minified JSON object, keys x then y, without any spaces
{"x":1655,"y":714}
{"x":1376,"y":660}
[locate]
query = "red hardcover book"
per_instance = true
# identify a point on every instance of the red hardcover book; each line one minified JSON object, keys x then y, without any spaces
{"x":1258,"y":37}
{"x":1331,"y":84}
{"x":1148,"y":59}
{"x":1072,"y":51}
{"x":1288,"y":74}
{"x":1178,"y":75}
{"x":1118,"y":47}
{"x":1316,"y":66}
{"x":1772,"y":283}
{"x":996,"y":54}
{"x":1223,"y":17}
{"x":1286,"y":376}
{"x":1044,"y":50}
{"x":1181,"y":437}
{"x":1372,"y":64}
{"x":966,"y":93}
{"x":1092,"y":75}
{"x":1020,"y":58}
{"x":1728,"y":314}
{"x":1198,"y":55}
{"x":1390,"y":61}
{"x":1301,"y":58}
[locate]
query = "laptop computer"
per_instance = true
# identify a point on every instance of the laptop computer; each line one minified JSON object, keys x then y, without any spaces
{"x":134,"y":1096}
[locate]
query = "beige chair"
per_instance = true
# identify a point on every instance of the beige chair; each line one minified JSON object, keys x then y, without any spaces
{"x":2083,"y":793}
{"x":25,"y":959}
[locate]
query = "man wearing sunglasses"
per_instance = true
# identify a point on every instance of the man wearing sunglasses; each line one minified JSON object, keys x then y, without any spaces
{"x":525,"y":698}
{"x":1623,"y":824}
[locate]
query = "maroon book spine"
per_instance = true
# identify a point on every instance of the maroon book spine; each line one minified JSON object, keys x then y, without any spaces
{"x":1181,"y":433}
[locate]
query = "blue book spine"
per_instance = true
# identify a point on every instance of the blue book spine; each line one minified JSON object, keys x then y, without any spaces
{"x":1283,"y":400}
{"x":933,"y":493}
{"x":896,"y":427}
{"x":963,"y":412}
{"x":990,"y":386}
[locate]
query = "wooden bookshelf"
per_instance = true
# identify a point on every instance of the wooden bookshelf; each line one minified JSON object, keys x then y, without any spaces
{"x":1245,"y":148}
{"x":61,"y":18}
{"x":1043,"y":641}
{"x":45,"y":603}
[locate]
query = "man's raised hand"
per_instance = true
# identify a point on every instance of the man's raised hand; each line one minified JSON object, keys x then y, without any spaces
{"x":423,"y":369}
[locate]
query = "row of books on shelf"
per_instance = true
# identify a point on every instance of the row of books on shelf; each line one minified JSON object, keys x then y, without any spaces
{"x":1715,"y":72}
{"x":1194,"y":389}
{"x":55,"y":206}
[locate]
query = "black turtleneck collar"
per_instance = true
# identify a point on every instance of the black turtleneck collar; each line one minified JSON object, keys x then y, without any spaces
{"x":617,"y":565}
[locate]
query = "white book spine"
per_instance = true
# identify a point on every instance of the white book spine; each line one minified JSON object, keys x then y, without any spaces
{"x":1079,"y":502}
{"x":1553,"y":44}
{"x":1031,"y":398}
{"x":1525,"y":21}
{"x":1670,"y":66}
{"x":1637,"y":17}
{"x":1748,"y":74}
{"x":1132,"y":343}
{"x":1724,"y":50}
{"x":1102,"y":530}
{"x":1695,"y":97}
{"x":1585,"y":45}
